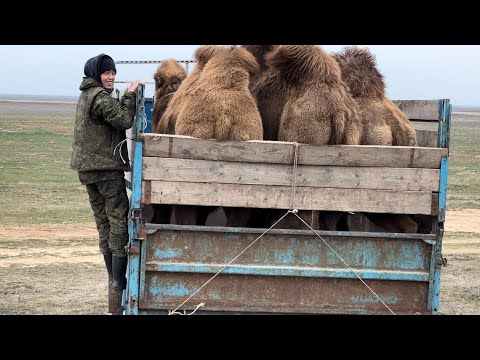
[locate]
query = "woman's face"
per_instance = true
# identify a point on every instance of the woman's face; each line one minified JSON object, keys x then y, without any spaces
{"x":108,"y":78}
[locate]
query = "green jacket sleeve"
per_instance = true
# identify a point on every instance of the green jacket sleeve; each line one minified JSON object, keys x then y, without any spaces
{"x":118,"y":114}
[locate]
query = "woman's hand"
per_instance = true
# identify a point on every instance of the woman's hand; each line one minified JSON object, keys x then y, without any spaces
{"x":134,"y":85}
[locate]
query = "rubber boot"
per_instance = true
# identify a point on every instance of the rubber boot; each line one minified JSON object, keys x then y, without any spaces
{"x":119,"y":283}
{"x":109,"y":266}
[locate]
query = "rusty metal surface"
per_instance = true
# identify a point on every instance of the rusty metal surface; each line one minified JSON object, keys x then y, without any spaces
{"x":289,"y":248}
{"x":253,"y":294}
{"x":286,"y":271}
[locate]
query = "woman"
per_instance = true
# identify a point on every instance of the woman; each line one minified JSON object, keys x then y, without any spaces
{"x":101,"y":158}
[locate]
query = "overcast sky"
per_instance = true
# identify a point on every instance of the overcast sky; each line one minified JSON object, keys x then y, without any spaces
{"x":410,"y":71}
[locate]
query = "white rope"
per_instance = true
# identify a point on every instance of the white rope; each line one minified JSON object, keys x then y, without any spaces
{"x":144,"y":116}
{"x":120,"y":151}
{"x":231,"y":261}
{"x":294,"y":180}
{"x":373,"y":292}
{"x":174,"y":312}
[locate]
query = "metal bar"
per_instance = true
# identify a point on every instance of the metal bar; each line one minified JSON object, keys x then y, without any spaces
{"x":129,"y":82}
{"x":436,"y":264}
{"x":443,"y":141}
{"x":150,"y":61}
{"x":152,"y":228}
{"x":444,"y":126}
{"x":288,"y":271}
{"x":444,"y":123}
{"x":442,"y":196}
{"x":133,"y":267}
{"x":144,"y":246}
{"x":133,"y":274}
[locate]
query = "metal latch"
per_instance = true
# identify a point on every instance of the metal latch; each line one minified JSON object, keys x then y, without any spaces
{"x":139,"y":224}
{"x":440,"y":260}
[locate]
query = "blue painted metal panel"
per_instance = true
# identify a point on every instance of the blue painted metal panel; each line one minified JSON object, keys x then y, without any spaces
{"x":278,"y":294}
{"x":287,"y":248}
{"x":148,"y":113}
{"x":442,"y":195}
{"x":282,"y":265}
{"x":289,"y":271}
{"x":152,"y":228}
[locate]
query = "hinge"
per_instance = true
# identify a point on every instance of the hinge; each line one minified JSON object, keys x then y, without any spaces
{"x":139,"y":223}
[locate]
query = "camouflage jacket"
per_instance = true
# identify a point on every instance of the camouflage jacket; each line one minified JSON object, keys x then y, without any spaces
{"x":100,"y":124}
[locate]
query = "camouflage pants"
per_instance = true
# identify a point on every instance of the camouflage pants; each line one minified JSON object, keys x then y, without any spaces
{"x":110,"y":207}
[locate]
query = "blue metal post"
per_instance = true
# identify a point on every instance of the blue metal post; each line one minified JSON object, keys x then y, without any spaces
{"x":133,"y":271}
{"x":444,"y":126}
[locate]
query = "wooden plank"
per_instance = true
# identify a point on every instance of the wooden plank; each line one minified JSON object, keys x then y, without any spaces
{"x":427,"y":110}
{"x":279,"y":197}
{"x":277,"y":152}
{"x":372,"y":156}
{"x":427,"y":138}
{"x":187,"y":170}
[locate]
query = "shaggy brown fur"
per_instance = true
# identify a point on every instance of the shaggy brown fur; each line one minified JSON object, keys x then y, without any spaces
{"x":168,"y":78}
{"x":319,"y":109}
{"x":220,"y":105}
{"x":259,"y":52}
{"x":270,"y":91}
{"x":391,"y":223}
{"x":202,"y":55}
{"x":385,"y":123}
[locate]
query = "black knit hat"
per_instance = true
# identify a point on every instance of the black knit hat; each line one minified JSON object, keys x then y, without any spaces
{"x":107,"y":64}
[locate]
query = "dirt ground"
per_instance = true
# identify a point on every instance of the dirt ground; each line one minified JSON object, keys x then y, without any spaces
{"x":61,"y":271}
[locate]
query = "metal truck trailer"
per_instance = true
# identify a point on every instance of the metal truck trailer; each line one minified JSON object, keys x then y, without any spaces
{"x":220,"y":270}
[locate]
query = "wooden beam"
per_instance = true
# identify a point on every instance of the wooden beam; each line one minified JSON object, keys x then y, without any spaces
{"x":427,"y":138}
{"x":187,"y":170}
{"x":427,"y":110}
{"x":280,"y":197}
{"x":277,"y":152}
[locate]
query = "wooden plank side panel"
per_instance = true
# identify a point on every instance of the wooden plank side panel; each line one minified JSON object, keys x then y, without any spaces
{"x":427,"y":110}
{"x":427,"y":138}
{"x":372,"y":155}
{"x":186,"y":147}
{"x":280,"y":197}
{"x":275,"y":152}
{"x":186,"y":170}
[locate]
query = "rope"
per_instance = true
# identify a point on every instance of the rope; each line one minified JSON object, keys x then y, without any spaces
{"x":144,"y":123}
{"x":359,"y":278}
{"x":120,"y":151}
{"x":294,"y":180}
{"x":174,"y":311}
